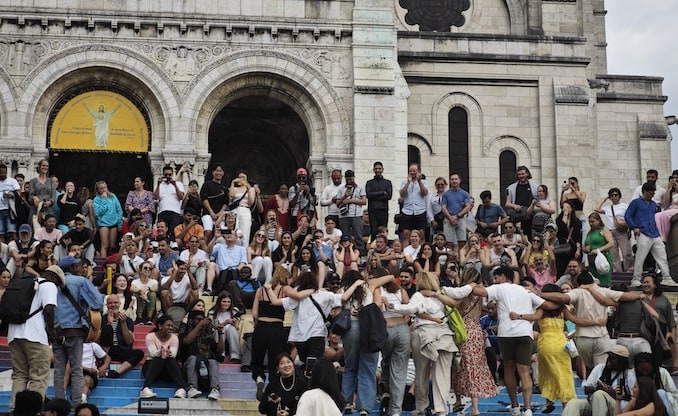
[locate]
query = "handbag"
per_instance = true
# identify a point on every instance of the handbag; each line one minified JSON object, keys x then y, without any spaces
{"x":539,"y":221}
{"x":456,"y":323}
{"x":571,"y":348}
{"x":341,"y":323}
{"x":619,"y":223}
{"x":565,"y":248}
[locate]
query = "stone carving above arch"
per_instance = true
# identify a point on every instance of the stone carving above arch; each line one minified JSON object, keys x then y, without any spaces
{"x":495,"y":146}
{"x":440,"y":112}
{"x":298,"y":83}
{"x":418,"y":141}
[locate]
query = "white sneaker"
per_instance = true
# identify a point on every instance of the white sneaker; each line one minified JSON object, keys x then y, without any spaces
{"x":147,"y":393}
{"x":214,"y":394}
{"x":180,"y":393}
{"x":193,"y":393}
{"x":527,"y":412}
{"x":668,"y":282}
{"x":83,"y":399}
{"x":515,"y":411}
{"x":635,"y":283}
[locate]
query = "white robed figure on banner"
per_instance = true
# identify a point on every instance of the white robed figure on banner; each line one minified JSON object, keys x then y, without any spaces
{"x":102,"y":123}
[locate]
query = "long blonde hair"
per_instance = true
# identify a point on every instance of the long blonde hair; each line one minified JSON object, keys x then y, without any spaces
{"x":427,"y":281}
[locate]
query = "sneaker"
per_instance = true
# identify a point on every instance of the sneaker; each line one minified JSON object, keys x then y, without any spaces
{"x":113,"y":374}
{"x":668,"y":282}
{"x":234,"y":360}
{"x":83,"y":399}
{"x":214,"y":394}
{"x":147,"y":393}
{"x":180,"y":393}
{"x":527,"y":412}
{"x":207,"y":292}
{"x":635,"y":283}
{"x":149,"y":322}
{"x":193,"y":393}
{"x":236,"y":312}
{"x":364,"y":413}
{"x":260,"y":390}
{"x":385,"y":403}
{"x":349,"y":408}
{"x":548,"y":408}
{"x":515,"y":411}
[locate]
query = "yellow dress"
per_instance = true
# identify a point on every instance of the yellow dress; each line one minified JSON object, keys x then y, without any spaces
{"x":555,"y":368}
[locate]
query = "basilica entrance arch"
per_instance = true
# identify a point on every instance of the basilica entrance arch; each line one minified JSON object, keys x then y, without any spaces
{"x":261,"y":135}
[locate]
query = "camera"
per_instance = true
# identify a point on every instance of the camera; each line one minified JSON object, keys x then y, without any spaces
{"x":165,"y":179}
{"x":310,"y":362}
{"x":226,"y":231}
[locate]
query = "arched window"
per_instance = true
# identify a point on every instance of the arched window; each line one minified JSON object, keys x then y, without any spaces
{"x":414,"y":156}
{"x":457,"y":120}
{"x":507,"y":172}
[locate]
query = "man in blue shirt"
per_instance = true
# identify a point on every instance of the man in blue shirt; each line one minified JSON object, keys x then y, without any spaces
{"x":68,"y":346}
{"x":639,"y":217}
{"x":489,"y":216}
{"x":456,"y":203}
{"x":229,"y":259}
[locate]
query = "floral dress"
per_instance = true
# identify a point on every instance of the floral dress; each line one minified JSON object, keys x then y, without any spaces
{"x":473,"y":378}
{"x":145,"y":200}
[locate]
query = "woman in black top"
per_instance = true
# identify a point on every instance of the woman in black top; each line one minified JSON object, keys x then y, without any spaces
{"x":282,"y":393}
{"x":569,"y":232}
{"x":269,"y":334}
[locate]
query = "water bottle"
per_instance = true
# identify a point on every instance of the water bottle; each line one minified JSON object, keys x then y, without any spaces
{"x":203,"y":369}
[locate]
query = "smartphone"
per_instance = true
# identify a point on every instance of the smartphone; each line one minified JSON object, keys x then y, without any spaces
{"x":310,"y":362}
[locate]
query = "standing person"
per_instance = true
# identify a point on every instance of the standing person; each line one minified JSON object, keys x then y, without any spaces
{"x":379,"y":191}
{"x":76,"y":290}
{"x":570,"y":192}
{"x":8,"y":187}
{"x":280,"y":203}
{"x":108,"y":216}
{"x":640,"y":218}
{"x":555,"y":364}
{"x":141,"y":199}
{"x":519,"y":196}
{"x":667,"y":323}
{"x":413,"y":199}
{"x":434,"y":211}
{"x":302,"y":199}
{"x":68,"y":207}
{"x":473,"y":378}
{"x":169,"y":193}
{"x":42,"y":190}
{"x":243,"y":196}
{"x":569,"y":232}
{"x":214,"y":195}
{"x":614,"y":221}
{"x":670,"y":205}
{"x":28,"y":342}
{"x":21,"y":199}
{"x":323,"y":396}
{"x":433,"y":345}
{"x":541,"y":209}
{"x":329,"y":198}
{"x":599,"y":238}
{"x":515,"y":338}
{"x":455,"y":203}
{"x":651,"y":176}
{"x":350,"y":199}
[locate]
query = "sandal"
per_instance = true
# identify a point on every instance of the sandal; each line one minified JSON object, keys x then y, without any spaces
{"x":458,"y":408}
{"x":548,"y":408}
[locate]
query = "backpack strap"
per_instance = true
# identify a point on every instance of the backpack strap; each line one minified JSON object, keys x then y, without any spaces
{"x":319,"y":308}
{"x":32,"y":314}
{"x":75,"y":304}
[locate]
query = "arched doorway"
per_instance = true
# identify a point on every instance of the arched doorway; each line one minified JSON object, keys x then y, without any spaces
{"x":261,"y":135}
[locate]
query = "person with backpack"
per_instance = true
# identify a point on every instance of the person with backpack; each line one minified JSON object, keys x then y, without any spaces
{"x":76,"y":297}
{"x":28,"y":306}
{"x":202,"y":351}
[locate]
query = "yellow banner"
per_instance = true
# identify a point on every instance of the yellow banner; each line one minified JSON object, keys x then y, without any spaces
{"x":100,"y":120}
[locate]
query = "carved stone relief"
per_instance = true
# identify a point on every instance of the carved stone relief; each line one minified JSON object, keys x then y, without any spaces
{"x":435,"y":15}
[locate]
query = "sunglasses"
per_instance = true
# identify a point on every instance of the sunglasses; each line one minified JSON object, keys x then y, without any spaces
{"x":260,"y":235}
{"x":143,"y":226}
{"x":146,"y":268}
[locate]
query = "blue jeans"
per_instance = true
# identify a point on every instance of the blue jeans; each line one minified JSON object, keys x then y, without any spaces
{"x":70,"y":351}
{"x":359,"y":372}
{"x":395,"y":355}
{"x":6,"y":224}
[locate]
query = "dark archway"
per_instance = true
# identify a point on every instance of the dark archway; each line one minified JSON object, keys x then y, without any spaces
{"x":261,"y":135}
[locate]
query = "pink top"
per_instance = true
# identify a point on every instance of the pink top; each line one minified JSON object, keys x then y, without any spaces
{"x":155,"y":346}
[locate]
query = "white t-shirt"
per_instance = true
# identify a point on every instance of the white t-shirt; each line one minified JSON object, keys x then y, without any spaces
{"x":411,"y":251}
{"x":317,"y":402}
{"x":179,"y":290}
{"x":91,"y":351}
{"x":167,"y":197}
{"x":151,"y":285}
{"x":8,"y":185}
{"x":34,"y":328}
{"x":619,"y":211}
{"x":513,"y":298}
{"x":127,"y":263}
{"x":307,"y":321}
{"x":198,"y":257}
{"x":42,"y":234}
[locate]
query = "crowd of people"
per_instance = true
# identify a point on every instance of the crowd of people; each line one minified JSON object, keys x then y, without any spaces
{"x":529,"y":283}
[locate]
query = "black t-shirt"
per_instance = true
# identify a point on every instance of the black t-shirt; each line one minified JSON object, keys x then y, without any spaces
{"x":216,"y":195}
{"x":524,"y":194}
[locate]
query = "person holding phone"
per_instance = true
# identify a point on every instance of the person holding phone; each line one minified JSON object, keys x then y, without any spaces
{"x":282,"y":394}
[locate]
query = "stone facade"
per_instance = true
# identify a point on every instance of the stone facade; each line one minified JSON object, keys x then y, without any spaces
{"x":364,"y":80}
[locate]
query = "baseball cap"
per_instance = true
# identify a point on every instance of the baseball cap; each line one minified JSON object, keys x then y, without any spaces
{"x":25,"y":228}
{"x":68,"y":261}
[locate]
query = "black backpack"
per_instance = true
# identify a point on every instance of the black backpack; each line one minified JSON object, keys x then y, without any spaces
{"x":15,"y":306}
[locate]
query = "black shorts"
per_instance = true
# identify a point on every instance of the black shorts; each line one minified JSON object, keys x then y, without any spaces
{"x":94,"y":376}
{"x":518,"y":349}
{"x":413,"y":222}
